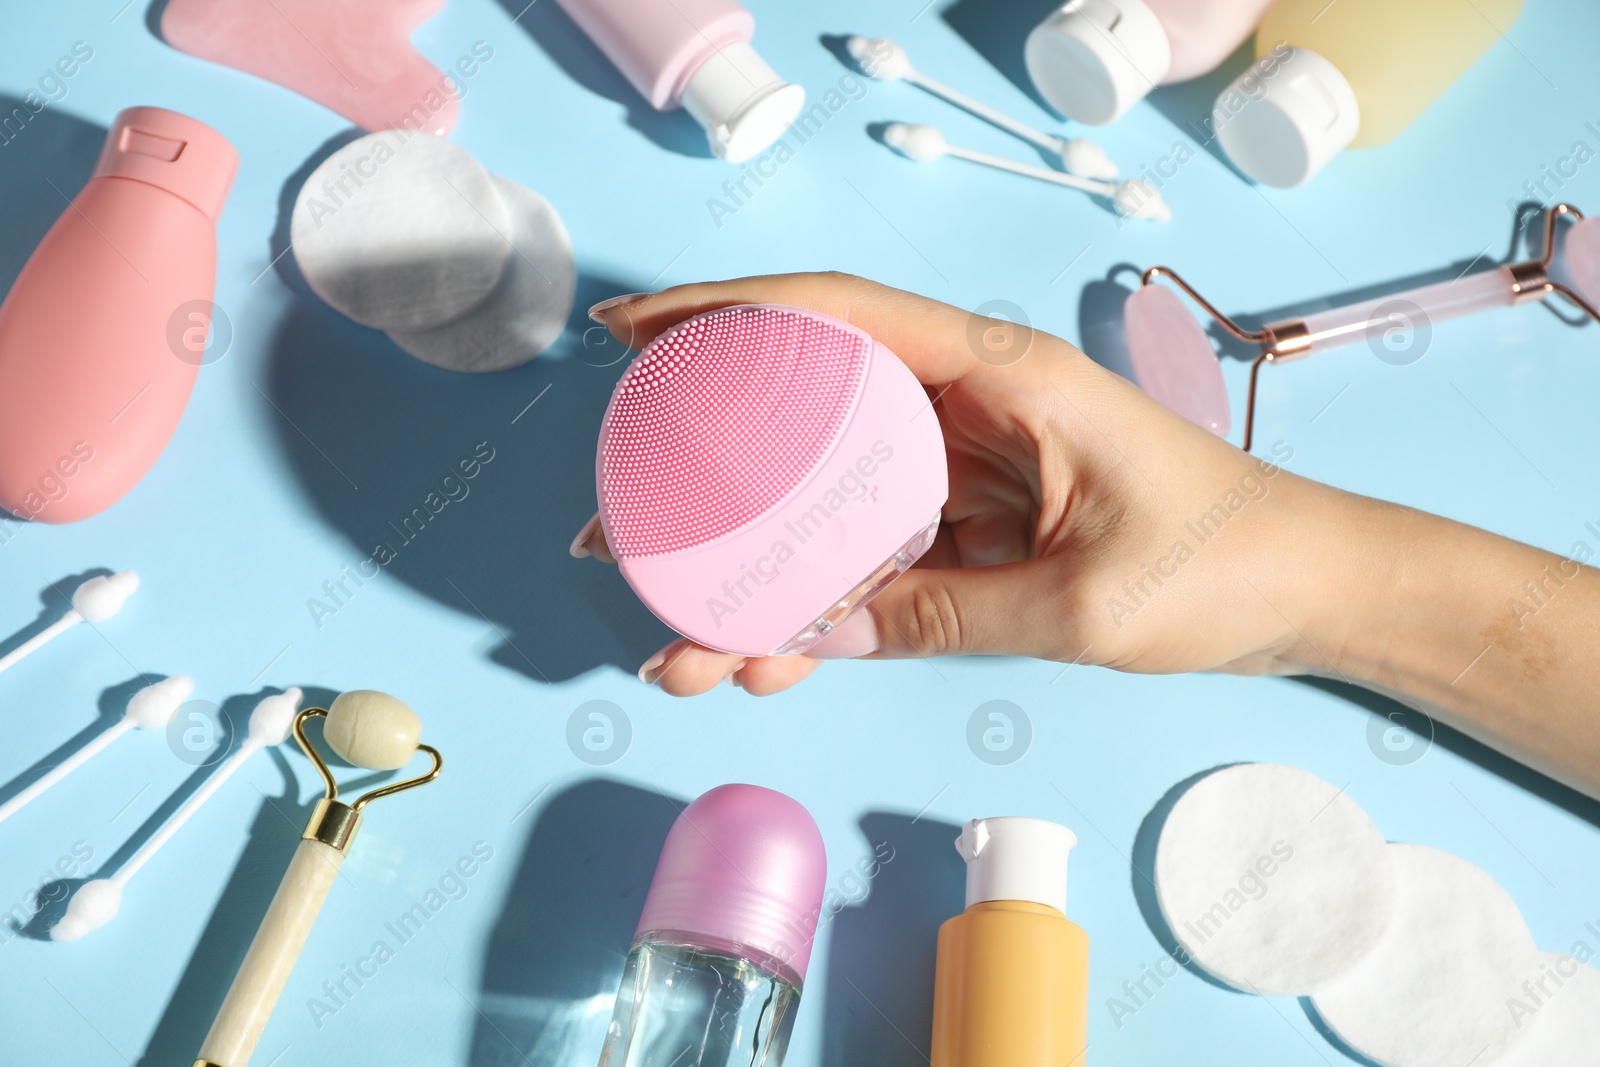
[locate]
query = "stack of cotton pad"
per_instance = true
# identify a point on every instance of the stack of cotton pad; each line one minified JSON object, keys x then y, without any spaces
{"x":407,"y":233}
{"x":1277,"y":883}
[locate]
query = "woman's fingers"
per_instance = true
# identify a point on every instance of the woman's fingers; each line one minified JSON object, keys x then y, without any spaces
{"x":591,"y":541}
{"x":685,"y":669}
{"x":938,"y":342}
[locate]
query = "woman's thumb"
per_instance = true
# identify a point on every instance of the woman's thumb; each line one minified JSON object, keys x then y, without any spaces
{"x":995,"y":611}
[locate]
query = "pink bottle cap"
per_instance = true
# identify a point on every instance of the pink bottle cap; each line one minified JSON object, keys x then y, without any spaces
{"x":173,"y":152}
{"x":744,"y":868}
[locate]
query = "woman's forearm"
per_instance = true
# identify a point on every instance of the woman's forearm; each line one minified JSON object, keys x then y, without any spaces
{"x":1492,"y":637}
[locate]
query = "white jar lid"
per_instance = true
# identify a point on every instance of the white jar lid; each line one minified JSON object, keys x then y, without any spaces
{"x":1094,"y":59}
{"x":1286,"y":116}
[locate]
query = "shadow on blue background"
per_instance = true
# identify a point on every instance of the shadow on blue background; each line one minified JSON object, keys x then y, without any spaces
{"x":998,"y":32}
{"x":878,"y":1000}
{"x":43,"y":163}
{"x":580,"y":59}
{"x":371,"y":432}
{"x":556,"y":951}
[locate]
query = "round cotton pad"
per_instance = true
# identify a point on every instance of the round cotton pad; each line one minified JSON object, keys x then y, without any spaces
{"x":1435,"y":990}
{"x":526,"y":311}
{"x":1559,"y":1016}
{"x":1272,"y":879}
{"x":400,"y":231}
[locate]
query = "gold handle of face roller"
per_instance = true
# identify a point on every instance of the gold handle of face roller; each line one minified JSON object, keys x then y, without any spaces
{"x":367,"y":728}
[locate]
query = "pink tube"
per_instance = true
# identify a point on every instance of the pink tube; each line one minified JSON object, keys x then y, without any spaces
{"x":105,"y":329}
{"x":696,"y":54}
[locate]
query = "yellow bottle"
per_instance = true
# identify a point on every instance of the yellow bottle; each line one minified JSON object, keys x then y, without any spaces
{"x":1011,"y":987}
{"x":1354,"y":72}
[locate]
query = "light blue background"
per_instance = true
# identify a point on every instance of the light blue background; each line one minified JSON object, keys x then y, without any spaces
{"x":311,"y":433}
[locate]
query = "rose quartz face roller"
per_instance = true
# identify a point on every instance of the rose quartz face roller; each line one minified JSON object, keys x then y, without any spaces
{"x":369,"y":729}
{"x":1175,"y":363}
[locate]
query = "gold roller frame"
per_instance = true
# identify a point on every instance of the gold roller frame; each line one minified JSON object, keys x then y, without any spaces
{"x":289,"y":918}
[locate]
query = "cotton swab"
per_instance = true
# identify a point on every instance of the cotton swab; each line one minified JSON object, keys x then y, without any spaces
{"x":1133,"y":198}
{"x":885,"y":60}
{"x":151,"y":708}
{"x":97,"y":901}
{"x":96,"y":600}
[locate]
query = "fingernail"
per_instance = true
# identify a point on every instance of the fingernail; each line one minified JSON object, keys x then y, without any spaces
{"x":856,"y":636}
{"x":732,"y":677}
{"x":579,"y":549}
{"x":597,"y":313}
{"x":655,"y":666}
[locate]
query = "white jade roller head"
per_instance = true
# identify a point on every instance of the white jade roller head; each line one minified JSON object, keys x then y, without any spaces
{"x":372,"y":729}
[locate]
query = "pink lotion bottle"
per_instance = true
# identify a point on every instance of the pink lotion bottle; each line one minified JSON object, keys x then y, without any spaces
{"x":105,"y":329}
{"x":696,"y":54}
{"x":1093,"y":59}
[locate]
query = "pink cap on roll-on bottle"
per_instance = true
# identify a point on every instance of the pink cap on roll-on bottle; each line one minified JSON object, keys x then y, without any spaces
{"x":170,"y":151}
{"x":745,"y":866}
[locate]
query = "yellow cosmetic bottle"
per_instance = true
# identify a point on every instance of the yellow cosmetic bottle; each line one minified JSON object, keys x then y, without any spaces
{"x":1354,"y":73}
{"x":1011,"y":987}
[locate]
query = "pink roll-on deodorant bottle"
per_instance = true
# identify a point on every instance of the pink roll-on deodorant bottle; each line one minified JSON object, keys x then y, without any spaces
{"x":714,"y":976}
{"x":765,"y":471}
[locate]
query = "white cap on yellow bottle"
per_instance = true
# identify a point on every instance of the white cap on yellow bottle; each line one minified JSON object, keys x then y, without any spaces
{"x":1286,"y":116}
{"x":1016,"y":858}
{"x":1094,"y":59}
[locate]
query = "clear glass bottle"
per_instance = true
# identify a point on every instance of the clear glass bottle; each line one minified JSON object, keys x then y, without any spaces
{"x":715,"y":972}
{"x":682,"y":1004}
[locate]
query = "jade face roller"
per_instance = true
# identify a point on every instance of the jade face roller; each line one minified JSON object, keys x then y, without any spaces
{"x":366,"y":728}
{"x":1175,"y":363}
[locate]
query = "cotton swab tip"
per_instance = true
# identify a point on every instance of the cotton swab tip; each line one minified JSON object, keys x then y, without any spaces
{"x":917,"y":141}
{"x":273,"y":717}
{"x":152,"y":707}
{"x":1138,"y":199}
{"x":92,"y":906}
{"x":1086,"y":159}
{"x":879,"y":57}
{"x":100,"y":598}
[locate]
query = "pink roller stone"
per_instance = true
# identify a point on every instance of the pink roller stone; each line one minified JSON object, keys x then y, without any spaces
{"x":1173,"y":360}
{"x":744,"y":866}
{"x":353,"y":56}
{"x":1583,"y":259}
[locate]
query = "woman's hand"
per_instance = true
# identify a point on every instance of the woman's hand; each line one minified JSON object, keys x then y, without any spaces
{"x":1085,"y":524}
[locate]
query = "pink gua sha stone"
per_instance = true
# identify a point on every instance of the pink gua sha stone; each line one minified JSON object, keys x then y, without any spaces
{"x":1173,"y":360}
{"x":353,"y":56}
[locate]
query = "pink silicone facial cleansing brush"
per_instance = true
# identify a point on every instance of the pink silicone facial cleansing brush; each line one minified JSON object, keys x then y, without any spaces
{"x":763,"y":472}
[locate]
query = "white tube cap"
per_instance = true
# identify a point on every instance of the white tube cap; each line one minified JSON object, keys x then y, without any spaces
{"x":1013,"y":858}
{"x":1094,"y":59}
{"x":1285,"y":117}
{"x":740,"y":100}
